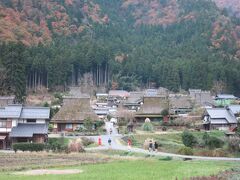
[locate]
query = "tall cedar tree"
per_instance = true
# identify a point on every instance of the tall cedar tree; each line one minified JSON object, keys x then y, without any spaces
{"x":13,"y":60}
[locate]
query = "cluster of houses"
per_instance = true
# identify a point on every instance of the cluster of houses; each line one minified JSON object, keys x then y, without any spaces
{"x":221,"y":111}
{"x":19,"y":123}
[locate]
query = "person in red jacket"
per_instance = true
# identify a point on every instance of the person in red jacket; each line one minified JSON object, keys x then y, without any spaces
{"x":99,"y":141}
{"x":129,"y":142}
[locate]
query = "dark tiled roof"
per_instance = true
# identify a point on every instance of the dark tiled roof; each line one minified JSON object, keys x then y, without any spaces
{"x":11,"y":111}
{"x":18,"y":111}
{"x":35,"y":113}
{"x":221,"y":113}
{"x":28,"y":130}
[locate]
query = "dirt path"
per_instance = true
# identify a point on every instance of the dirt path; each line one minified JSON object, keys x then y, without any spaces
{"x":48,"y":171}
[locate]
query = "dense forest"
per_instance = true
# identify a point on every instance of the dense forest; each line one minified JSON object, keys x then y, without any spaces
{"x":178,"y":44}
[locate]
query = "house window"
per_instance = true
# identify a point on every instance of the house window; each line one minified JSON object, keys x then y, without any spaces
{"x":3,"y":124}
{"x":69,"y":126}
{"x":31,"y":120}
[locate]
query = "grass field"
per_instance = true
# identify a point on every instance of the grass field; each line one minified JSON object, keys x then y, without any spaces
{"x":135,"y":169}
{"x":172,"y":142}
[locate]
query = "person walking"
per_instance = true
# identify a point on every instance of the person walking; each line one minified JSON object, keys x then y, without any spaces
{"x":109,"y":141}
{"x":129,"y":144}
{"x":150,"y":146}
{"x":156,"y":146}
{"x":99,"y":141}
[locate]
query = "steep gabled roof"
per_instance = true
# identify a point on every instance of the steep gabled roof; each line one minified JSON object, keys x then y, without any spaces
{"x":221,"y":113}
{"x":75,"y":110}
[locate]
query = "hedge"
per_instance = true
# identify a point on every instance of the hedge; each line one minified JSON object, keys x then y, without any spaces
{"x":28,"y":147}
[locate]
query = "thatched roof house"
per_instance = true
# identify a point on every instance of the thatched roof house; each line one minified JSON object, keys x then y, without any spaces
{"x":180,"y":104}
{"x":73,"y":113}
{"x":152,"y":107}
{"x":201,"y":98}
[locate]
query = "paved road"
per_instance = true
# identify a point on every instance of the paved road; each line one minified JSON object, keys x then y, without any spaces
{"x":116,"y":145}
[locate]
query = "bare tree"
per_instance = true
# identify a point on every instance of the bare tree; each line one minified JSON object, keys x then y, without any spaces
{"x":218,"y":87}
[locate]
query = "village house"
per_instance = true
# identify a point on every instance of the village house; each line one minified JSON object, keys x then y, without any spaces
{"x":152,"y":107}
{"x":180,"y":104}
{"x":219,"y":118}
{"x":134,"y":101}
{"x":23,"y":124}
{"x":222,"y":100}
{"x":6,"y":100}
{"x":201,"y":98}
{"x":72,"y":114}
{"x":235,"y":108}
{"x":118,"y":94}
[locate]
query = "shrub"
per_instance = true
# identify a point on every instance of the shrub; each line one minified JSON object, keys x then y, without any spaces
{"x":28,"y":147}
{"x":189,"y":139}
{"x":99,"y":124}
{"x":219,"y":153}
{"x":56,"y":144}
{"x":181,"y":122}
{"x":147,"y":126}
{"x":214,"y":142}
{"x":185,"y":151}
{"x":234,"y":144}
{"x":122,"y":122}
{"x":86,"y":141}
{"x":205,"y":138}
{"x":50,"y":127}
{"x":88,"y":124}
{"x":164,"y":112}
{"x":167,"y":158}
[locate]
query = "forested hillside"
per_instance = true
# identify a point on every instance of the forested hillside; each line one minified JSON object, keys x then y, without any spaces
{"x":178,"y":44}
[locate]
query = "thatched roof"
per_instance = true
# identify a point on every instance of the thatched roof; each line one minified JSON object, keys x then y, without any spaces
{"x":180,"y":102}
{"x":75,"y":110}
{"x":153,"y":105}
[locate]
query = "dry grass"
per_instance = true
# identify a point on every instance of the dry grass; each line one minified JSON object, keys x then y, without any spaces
{"x":21,"y":161}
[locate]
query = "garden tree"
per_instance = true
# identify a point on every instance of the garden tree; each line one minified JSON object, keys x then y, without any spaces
{"x":147,"y":126}
{"x":14,"y":61}
{"x":165,"y":112}
{"x":218,"y":87}
{"x":88,"y":124}
{"x":188,"y":139}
